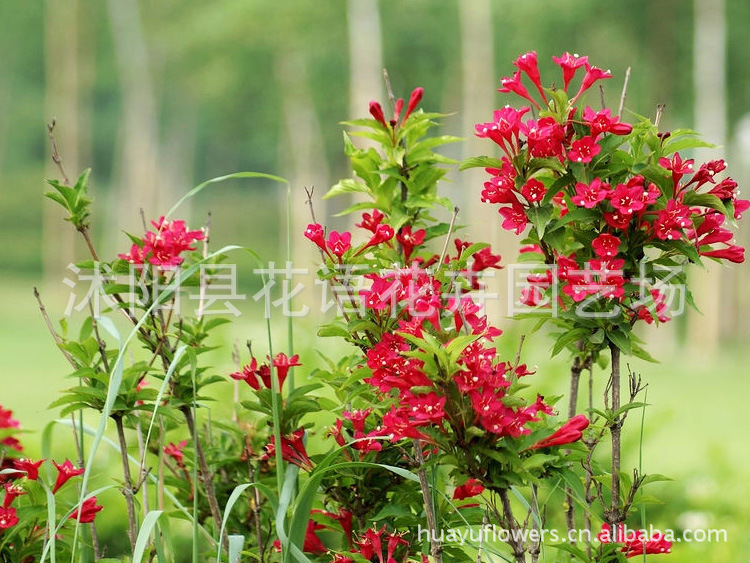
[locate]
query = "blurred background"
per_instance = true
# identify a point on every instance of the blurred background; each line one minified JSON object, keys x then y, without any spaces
{"x":158,"y":96}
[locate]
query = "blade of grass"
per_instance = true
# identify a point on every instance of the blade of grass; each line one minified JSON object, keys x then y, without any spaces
{"x":233,"y":498}
{"x":148,"y":525}
{"x":200,"y":187}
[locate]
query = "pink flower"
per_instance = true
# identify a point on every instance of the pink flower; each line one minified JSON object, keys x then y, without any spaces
{"x":593,"y":74}
{"x":339,"y":243}
{"x":584,"y":150}
{"x":740,"y":206}
{"x":533,"y":190}
{"x":605,"y":245}
{"x":515,"y":218}
{"x":732,"y":253}
{"x":590,"y":195}
{"x":163,"y":246}
{"x":568,"y":433}
{"x":88,"y":511}
{"x":316,"y":233}
{"x":516,"y":86}
{"x":65,"y":472}
{"x":528,"y":64}
{"x":176,"y":452}
{"x":603,"y":122}
{"x":570,"y":64}
{"x":627,"y":200}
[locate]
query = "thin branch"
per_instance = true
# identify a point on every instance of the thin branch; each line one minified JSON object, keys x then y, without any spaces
{"x":624,"y":92}
{"x":128,"y":488}
{"x":436,"y":548}
{"x":56,"y":155}
{"x":448,"y":237}
{"x":391,"y":97}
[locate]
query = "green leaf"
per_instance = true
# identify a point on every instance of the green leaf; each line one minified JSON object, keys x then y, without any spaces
{"x":540,"y":218}
{"x":480,"y":162}
{"x":621,"y":340}
{"x":568,"y":338}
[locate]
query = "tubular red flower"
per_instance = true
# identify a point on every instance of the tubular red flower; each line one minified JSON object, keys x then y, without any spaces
{"x":568,"y":433}
{"x":470,"y":488}
{"x":65,"y":472}
{"x":88,"y":511}
{"x":414,"y":99}
{"x":176,"y":453}
{"x":376,"y":110}
{"x":570,"y":65}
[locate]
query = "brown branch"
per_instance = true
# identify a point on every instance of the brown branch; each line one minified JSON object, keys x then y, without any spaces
{"x":519,"y":551}
{"x":204,"y":473}
{"x":127,"y":490}
{"x":436,"y":548}
{"x":613,"y":516}
{"x":56,"y":155}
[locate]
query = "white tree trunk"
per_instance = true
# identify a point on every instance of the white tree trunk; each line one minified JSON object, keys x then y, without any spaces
{"x":478,"y":102}
{"x":62,"y":104}
{"x":709,"y":80}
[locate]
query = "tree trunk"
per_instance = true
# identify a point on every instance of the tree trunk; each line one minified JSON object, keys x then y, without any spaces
{"x":709,"y":78}
{"x":62,"y":104}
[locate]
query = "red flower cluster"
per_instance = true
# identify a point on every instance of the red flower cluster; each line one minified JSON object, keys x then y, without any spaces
{"x":292,"y":450}
{"x":255,"y":375}
{"x":7,"y":421}
{"x":163,"y":246}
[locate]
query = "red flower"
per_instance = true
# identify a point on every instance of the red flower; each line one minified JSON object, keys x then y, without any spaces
{"x":376,"y":110}
{"x":88,"y":511}
{"x":528,"y":63}
{"x":627,"y":200}
{"x":339,"y":243}
{"x":414,"y":99}
{"x":164,"y":246}
{"x":30,"y":467}
{"x":603,"y":122}
{"x":515,"y":218}
{"x":593,"y":74}
{"x":283,"y":363}
{"x":470,"y":488}
{"x":533,"y":190}
{"x":316,"y":233}
{"x":251,"y":373}
{"x":176,"y":453}
{"x":516,"y":86}
{"x":740,"y":206}
{"x":8,"y":518}
{"x":568,"y":433}
{"x":605,"y":245}
{"x":65,"y":472}
{"x":570,"y":64}
{"x":590,"y":195}
{"x":383,"y":233}
{"x":733,"y":253}
{"x":584,"y":150}
{"x":409,"y":240}
{"x":370,"y":222}
{"x":11,"y":492}
{"x":292,"y":450}
{"x":312,"y":541}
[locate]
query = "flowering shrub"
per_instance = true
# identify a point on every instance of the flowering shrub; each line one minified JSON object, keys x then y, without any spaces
{"x":432,"y":426}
